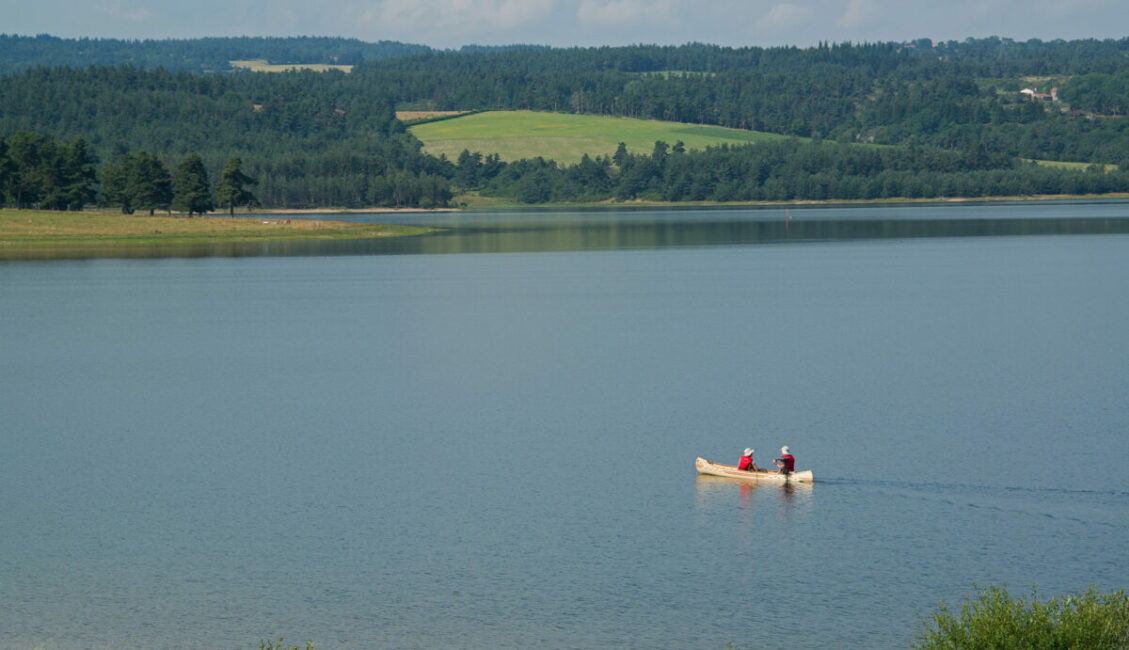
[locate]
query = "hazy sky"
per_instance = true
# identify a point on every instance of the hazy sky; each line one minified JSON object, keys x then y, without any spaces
{"x":451,"y":23}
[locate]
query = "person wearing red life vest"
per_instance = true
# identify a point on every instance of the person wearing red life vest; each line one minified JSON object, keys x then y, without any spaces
{"x":786,"y":463}
{"x":746,"y":463}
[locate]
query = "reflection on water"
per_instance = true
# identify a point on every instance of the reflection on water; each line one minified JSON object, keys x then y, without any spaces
{"x":758,"y":508}
{"x":635,"y":229}
{"x":719,"y":491}
{"x":662,"y":233}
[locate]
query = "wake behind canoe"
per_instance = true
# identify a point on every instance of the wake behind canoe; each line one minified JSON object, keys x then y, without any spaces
{"x":717,"y":469}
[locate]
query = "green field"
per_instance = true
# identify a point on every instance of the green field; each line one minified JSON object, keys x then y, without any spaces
{"x":565,"y":137}
{"x":261,"y":65}
{"x":1076,"y":166}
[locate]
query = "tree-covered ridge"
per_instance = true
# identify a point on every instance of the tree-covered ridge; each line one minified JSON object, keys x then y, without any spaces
{"x":331,"y":139}
{"x":191,"y":55}
{"x":310,"y":139}
{"x":39,"y":172}
{"x":779,"y":171}
{"x":951,"y":95}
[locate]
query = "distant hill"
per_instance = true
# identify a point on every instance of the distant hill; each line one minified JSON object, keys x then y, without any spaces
{"x":193,"y":54}
{"x":1057,"y":100}
{"x":956,"y":116}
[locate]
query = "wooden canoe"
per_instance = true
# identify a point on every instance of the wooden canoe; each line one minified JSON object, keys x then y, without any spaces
{"x":717,"y":469}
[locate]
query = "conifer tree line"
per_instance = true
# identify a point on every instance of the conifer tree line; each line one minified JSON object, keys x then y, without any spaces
{"x":38,"y":172}
{"x":208,"y":55}
{"x":951,"y":95}
{"x":309,"y":139}
{"x":779,"y":171}
{"x":125,"y":135}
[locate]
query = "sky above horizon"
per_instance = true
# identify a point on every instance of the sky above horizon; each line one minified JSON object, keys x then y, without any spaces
{"x":562,"y":23}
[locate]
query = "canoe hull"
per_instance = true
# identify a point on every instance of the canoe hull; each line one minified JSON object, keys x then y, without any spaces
{"x":729,"y":471}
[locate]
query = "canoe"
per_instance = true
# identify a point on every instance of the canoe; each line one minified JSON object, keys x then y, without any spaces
{"x":717,"y":469}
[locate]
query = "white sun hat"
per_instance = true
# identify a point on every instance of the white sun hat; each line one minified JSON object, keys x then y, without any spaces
{"x":785,"y":450}
{"x":748,"y":451}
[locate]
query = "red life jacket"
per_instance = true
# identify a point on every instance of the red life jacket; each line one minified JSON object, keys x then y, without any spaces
{"x":789,"y":463}
{"x":746,"y":462}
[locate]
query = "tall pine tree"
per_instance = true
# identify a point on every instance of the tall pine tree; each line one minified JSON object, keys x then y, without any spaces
{"x":152,"y":184}
{"x":191,"y":191}
{"x":232,"y":190}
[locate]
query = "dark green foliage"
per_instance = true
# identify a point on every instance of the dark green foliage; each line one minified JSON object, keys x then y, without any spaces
{"x":152,"y":184}
{"x":875,"y":92}
{"x":8,"y":171}
{"x":993,"y":619}
{"x":38,"y":172}
{"x":472,"y":171}
{"x":794,"y":170}
{"x":138,"y":181}
{"x":232,"y":189}
{"x":331,"y":139}
{"x":191,"y":55}
{"x":310,"y":139}
{"x":191,"y":191}
{"x":76,"y":177}
{"x":1104,"y":94}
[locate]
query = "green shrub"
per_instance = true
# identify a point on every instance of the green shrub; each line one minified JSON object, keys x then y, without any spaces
{"x":993,"y":619}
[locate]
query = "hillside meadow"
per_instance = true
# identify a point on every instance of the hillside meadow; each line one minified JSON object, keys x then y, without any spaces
{"x":514,"y":135}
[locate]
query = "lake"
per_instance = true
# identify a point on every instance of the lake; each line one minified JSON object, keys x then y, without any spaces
{"x":485,"y":437}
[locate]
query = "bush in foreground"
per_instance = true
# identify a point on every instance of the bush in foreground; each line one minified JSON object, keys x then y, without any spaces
{"x":993,"y":619}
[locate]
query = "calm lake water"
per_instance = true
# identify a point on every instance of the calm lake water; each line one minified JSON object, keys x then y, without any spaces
{"x":376,"y":445}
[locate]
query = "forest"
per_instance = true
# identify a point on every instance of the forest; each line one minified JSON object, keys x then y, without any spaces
{"x":916,"y":119}
{"x":200,"y":55}
{"x":948,"y":95}
{"x":310,"y":139}
{"x":779,"y":171}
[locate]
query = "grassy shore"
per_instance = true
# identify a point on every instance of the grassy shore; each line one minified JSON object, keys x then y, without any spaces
{"x":42,"y":228}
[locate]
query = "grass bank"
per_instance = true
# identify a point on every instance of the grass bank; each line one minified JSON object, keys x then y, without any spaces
{"x":514,"y":135}
{"x":26,"y":229}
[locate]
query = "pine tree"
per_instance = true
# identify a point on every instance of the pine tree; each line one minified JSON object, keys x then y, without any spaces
{"x":151,"y":184}
{"x":620,"y":156}
{"x":78,"y":176}
{"x":231,"y":190}
{"x":25,"y":150}
{"x":115,"y":184}
{"x":7,"y":171}
{"x":191,"y":190}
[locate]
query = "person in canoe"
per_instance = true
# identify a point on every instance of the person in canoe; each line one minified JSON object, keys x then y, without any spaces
{"x":786,"y":463}
{"x":746,"y":463}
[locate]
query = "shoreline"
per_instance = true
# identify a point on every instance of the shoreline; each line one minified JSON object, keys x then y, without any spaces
{"x":470,"y":203}
{"x":106,"y":227}
{"x":29,"y":231}
{"x":832,"y":202}
{"x":374,"y":210}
